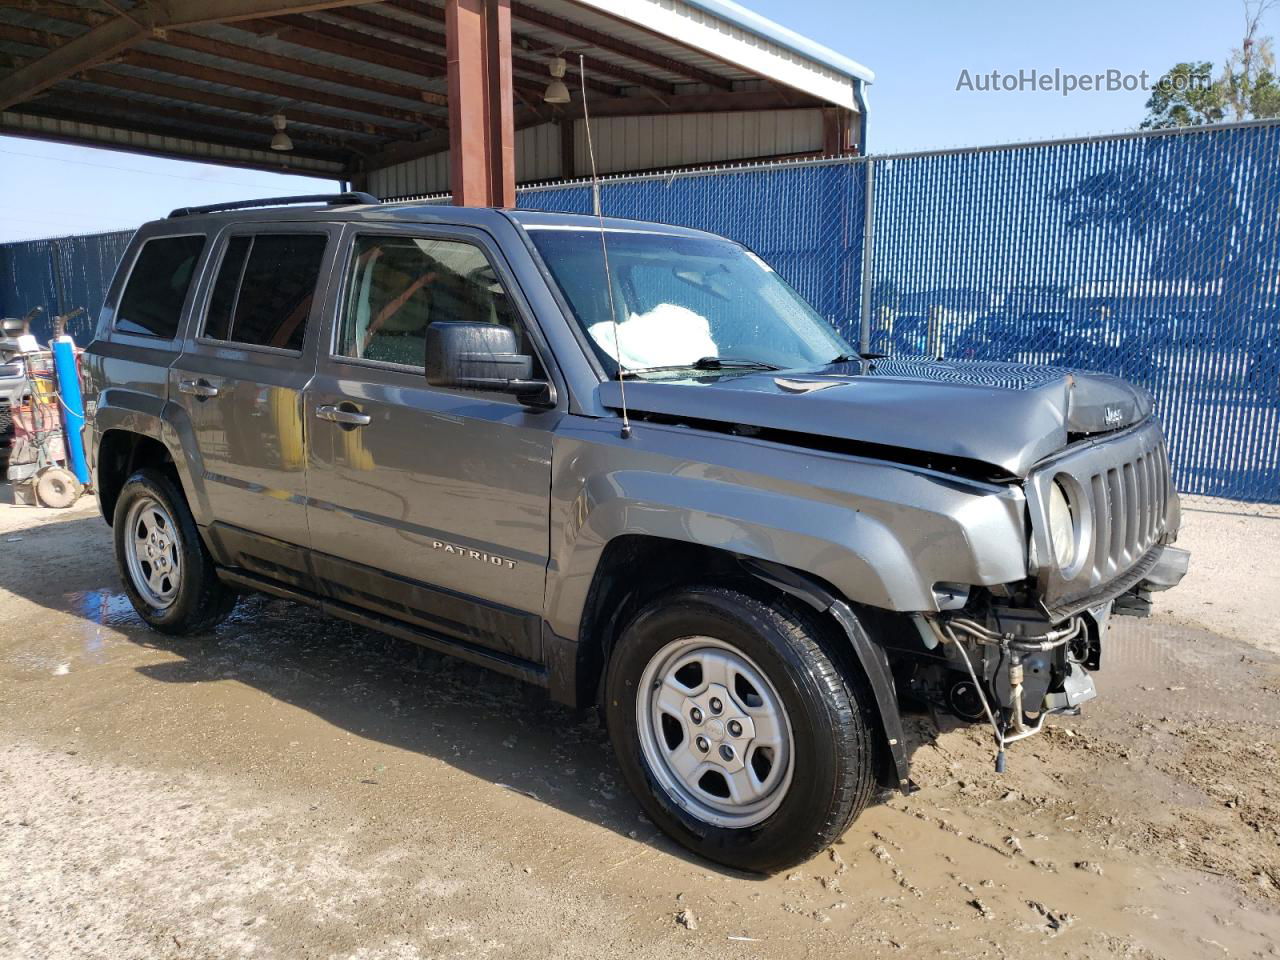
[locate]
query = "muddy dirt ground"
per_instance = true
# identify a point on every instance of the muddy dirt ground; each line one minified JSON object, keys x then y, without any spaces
{"x":292,"y":787}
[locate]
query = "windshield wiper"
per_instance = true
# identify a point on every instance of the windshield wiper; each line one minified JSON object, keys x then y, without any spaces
{"x":706,"y":363}
{"x":721,"y":363}
{"x":850,"y":357}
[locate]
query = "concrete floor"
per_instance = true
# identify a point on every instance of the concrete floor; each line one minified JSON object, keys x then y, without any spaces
{"x":289,"y":786}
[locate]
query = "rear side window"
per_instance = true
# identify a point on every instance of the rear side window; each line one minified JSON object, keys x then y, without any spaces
{"x":152,"y":300}
{"x":265,"y":288}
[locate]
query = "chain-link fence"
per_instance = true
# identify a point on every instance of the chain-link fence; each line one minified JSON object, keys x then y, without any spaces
{"x":1154,"y":256}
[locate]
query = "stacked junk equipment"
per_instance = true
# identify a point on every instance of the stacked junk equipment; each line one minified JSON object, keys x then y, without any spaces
{"x":41,"y":414}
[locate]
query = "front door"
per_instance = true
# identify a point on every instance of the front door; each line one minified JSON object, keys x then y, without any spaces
{"x":240,"y":378}
{"x":427,"y":504}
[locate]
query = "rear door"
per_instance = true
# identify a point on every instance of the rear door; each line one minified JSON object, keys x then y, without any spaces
{"x":428,"y":504}
{"x":248,"y":356}
{"x":139,"y":329}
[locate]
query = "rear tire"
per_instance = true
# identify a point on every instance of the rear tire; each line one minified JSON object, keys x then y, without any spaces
{"x":168,"y":573}
{"x":765,"y":666}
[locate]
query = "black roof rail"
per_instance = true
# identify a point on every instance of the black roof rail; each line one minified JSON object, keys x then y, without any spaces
{"x":331,"y":199}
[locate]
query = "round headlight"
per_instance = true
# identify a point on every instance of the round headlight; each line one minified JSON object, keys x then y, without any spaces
{"x":1062,"y":526}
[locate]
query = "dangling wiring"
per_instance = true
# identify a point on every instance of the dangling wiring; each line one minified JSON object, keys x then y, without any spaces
{"x":1014,"y":647}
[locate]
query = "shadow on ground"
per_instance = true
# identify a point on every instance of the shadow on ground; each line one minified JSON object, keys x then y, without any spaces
{"x":374,"y":686}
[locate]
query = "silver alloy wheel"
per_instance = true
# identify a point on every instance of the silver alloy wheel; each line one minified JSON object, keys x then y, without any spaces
{"x":151,"y":548}
{"x":714,"y":732}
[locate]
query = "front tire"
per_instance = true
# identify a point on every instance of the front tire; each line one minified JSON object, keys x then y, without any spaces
{"x":735,"y":728}
{"x":168,"y":573}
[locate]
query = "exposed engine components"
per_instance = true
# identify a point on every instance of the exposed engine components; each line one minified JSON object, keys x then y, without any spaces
{"x":1029,"y":644}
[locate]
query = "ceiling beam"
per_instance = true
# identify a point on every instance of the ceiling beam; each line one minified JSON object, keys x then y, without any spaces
{"x":256,"y":109}
{"x":105,"y":77}
{"x":128,"y":108}
{"x":274,"y":88}
{"x":327,"y":38}
{"x":100,"y":43}
{"x":594,"y":65}
{"x":696,"y":103}
{"x":424,"y":34}
{"x":604,"y":41}
{"x":112,"y":36}
{"x":302,"y":68}
{"x":29,"y":37}
{"x":229,"y":50}
{"x":61,"y":11}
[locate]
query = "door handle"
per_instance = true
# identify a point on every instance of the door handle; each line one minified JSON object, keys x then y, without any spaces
{"x":348,"y":418}
{"x":198,"y":388}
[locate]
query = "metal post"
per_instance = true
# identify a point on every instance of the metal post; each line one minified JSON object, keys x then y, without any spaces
{"x":481,"y":118}
{"x":868,"y":254}
{"x":60,"y":299}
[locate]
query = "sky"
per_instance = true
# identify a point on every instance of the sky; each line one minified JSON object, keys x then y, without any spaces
{"x":918,"y":50}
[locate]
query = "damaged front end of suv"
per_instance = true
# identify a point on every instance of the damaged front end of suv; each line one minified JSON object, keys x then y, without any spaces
{"x":997,"y":622}
{"x":1103,"y":516}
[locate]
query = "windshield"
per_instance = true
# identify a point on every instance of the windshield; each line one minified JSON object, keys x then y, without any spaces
{"x":683,"y":301}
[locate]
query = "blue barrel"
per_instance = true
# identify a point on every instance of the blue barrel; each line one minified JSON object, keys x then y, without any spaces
{"x":71,"y":404}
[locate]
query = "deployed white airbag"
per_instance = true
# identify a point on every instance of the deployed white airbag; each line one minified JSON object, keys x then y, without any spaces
{"x":667,"y":335}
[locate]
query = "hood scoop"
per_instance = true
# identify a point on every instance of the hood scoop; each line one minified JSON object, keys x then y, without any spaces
{"x":803,"y":386}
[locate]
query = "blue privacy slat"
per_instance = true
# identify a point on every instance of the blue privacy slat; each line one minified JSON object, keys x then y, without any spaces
{"x":60,"y":275}
{"x":1153,"y":257}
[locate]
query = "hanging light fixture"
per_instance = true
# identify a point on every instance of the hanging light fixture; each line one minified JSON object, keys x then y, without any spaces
{"x":557,"y":92}
{"x":281,"y":140}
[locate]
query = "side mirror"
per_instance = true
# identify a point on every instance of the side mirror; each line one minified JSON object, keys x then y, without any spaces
{"x":483,"y":356}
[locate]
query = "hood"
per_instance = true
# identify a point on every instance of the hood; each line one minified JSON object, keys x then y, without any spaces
{"x":1004,"y":415}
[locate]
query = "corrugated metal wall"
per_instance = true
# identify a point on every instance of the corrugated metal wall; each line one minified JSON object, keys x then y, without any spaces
{"x":648,"y":143}
{"x":165,"y":146}
{"x":629,"y":143}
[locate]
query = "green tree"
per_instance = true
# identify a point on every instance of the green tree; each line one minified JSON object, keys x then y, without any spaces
{"x":1186,"y":96}
{"x":1246,"y":89}
{"x":1249,"y":83}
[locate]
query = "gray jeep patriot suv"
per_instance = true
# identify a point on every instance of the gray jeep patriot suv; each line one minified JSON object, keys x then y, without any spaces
{"x":628,"y":463}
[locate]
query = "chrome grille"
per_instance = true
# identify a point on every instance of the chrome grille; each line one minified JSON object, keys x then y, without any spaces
{"x":1119,"y":490}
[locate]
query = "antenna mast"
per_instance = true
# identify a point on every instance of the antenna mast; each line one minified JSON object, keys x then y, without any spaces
{"x":604,"y":249}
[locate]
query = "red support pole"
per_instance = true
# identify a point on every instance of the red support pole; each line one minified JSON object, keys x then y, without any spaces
{"x":482,"y":171}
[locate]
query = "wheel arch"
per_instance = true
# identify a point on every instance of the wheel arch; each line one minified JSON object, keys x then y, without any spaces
{"x":132,"y":431}
{"x":636,"y":568}
{"x":121,"y":452}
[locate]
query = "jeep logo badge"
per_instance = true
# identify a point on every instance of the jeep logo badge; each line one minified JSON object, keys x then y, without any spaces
{"x":1113,"y":416}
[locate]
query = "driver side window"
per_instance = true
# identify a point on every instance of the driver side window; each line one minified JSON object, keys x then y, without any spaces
{"x":398,"y":286}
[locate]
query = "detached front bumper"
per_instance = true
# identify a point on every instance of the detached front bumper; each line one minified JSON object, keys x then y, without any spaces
{"x":1165,"y":573}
